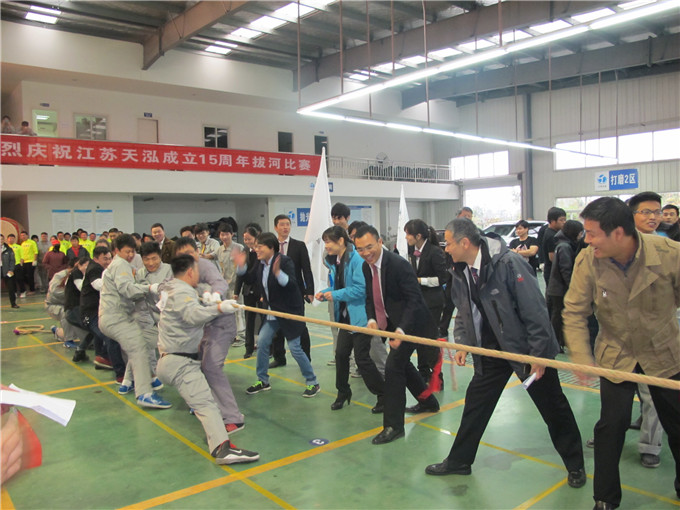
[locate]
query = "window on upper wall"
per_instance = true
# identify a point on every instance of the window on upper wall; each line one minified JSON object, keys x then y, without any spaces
{"x":90,"y":127}
{"x":215,"y":137}
{"x":635,"y":148}
{"x":479,"y":166}
{"x":285,"y":141}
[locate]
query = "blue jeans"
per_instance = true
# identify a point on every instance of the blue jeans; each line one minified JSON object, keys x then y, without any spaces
{"x":264,"y":344}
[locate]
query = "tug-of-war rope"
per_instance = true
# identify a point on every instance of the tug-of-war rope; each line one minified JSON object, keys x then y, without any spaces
{"x":29,"y":329}
{"x":521,"y":358}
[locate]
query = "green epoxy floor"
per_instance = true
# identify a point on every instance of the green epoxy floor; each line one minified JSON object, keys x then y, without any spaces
{"x":114,"y":454}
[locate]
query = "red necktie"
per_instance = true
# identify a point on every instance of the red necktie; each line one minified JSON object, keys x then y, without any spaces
{"x":380,"y":315}
{"x":416,"y":253}
{"x":281,"y":249}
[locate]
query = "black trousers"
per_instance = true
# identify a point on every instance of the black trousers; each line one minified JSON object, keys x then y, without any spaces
{"x":11,"y":285}
{"x":361,"y":344}
{"x":400,"y":374}
{"x":19,"y":279}
{"x":480,"y":401}
{"x":250,"y":300}
{"x":279,"y":348}
{"x":447,"y":312}
{"x":556,"y":307}
{"x":427,"y":354}
{"x":28,"y":270}
{"x":610,"y":432}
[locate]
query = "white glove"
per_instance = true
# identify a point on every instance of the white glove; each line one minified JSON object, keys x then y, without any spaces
{"x":162,"y":301}
{"x":216,"y":298}
{"x":227,"y":306}
{"x":153,"y":288}
{"x":35,"y":262}
{"x":206,"y":298}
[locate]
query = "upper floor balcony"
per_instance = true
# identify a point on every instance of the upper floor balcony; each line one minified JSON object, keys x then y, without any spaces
{"x":29,"y":150}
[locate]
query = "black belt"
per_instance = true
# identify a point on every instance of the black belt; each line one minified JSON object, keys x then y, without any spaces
{"x":190,"y":355}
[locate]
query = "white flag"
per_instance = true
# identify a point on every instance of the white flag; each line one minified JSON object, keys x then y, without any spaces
{"x":402,"y":245}
{"x":319,"y":221}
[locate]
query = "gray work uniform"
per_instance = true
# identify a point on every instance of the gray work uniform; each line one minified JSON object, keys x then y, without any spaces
{"x":180,"y":331}
{"x":217,"y":338}
{"x":116,"y":307}
{"x":147,"y":315}
{"x":54,"y":305}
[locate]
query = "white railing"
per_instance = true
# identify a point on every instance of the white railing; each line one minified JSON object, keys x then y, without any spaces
{"x":373,"y":169}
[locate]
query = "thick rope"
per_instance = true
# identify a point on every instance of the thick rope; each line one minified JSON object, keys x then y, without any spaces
{"x":27,"y":329}
{"x":521,"y":358}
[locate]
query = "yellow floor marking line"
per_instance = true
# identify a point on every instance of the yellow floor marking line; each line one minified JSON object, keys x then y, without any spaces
{"x":164,"y":427}
{"x":538,"y":497}
{"x":6,"y":502}
{"x":27,"y":320}
{"x":33,"y":346}
{"x":674,"y":502}
{"x":54,"y":392}
{"x":25,"y":304}
{"x":247,"y":473}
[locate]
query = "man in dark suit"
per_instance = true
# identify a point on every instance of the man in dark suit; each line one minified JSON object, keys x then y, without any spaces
{"x":167,"y":245}
{"x":275,"y":280}
{"x":297,"y":252}
{"x":394,"y":302}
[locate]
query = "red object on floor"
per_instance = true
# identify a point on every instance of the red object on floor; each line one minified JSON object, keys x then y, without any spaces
{"x":435,"y":383}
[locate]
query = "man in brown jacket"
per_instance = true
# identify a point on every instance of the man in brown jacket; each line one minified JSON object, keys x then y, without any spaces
{"x":632,"y":281}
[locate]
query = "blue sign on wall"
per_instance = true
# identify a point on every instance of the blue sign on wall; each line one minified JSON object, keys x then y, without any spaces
{"x":623,"y":179}
{"x":303,"y":216}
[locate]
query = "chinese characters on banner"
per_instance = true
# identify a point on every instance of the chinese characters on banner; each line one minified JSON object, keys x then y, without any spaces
{"x":611,"y":180}
{"x":23,"y":150}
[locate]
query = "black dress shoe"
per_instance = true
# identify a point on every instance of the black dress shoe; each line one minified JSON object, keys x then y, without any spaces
{"x":603,"y":505}
{"x":378,"y":408}
{"x":248,"y":355}
{"x":444,"y":469}
{"x":277,"y":363}
{"x":422,"y":408}
{"x":577,"y":479}
{"x":15,"y":306}
{"x":387,"y":435}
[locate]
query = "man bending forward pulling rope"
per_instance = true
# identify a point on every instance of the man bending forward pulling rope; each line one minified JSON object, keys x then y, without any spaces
{"x":501,"y":307}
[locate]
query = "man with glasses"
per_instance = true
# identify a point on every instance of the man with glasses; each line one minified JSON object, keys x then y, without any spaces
{"x":646,"y":207}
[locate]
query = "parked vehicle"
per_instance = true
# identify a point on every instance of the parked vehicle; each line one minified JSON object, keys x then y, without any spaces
{"x":506,"y":229}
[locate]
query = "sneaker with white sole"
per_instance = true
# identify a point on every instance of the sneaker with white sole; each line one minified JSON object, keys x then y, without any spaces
{"x":126,"y":387}
{"x":70,"y":344}
{"x":234,"y":427}
{"x":156,"y":384}
{"x":311,"y":390}
{"x":227,"y":453}
{"x":153,"y":400}
{"x":258,"y":387}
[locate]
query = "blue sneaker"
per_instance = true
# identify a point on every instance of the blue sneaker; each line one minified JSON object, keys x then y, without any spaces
{"x":153,"y":400}
{"x":53,"y":329}
{"x":126,"y":387}
{"x":156,"y":384}
{"x":70,"y":344}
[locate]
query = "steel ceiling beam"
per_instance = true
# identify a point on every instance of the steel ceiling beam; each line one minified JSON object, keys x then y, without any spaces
{"x":449,"y":32}
{"x":185,"y":25}
{"x":652,"y":51}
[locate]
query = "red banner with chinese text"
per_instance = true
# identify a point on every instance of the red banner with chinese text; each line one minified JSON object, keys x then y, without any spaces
{"x":33,"y":150}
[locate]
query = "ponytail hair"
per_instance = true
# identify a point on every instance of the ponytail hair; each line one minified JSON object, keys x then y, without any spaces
{"x":415,"y":227}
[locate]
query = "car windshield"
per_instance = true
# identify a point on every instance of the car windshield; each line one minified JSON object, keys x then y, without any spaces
{"x":501,"y":230}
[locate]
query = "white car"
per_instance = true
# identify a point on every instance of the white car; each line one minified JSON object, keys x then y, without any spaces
{"x":506,"y":229}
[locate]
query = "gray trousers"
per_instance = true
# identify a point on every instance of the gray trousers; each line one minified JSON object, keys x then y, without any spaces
{"x":129,"y":335}
{"x":214,"y":347}
{"x":185,"y":374}
{"x":651,"y":430}
{"x":71,"y":332}
{"x":378,"y":353}
{"x":150,"y":335}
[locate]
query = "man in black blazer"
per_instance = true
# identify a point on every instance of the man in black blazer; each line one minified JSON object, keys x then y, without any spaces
{"x":275,"y":280}
{"x":394,"y":302}
{"x":297,"y":252}
{"x":430,"y":266}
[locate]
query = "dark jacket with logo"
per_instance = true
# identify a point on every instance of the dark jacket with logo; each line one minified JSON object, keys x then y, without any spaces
{"x":512,"y":303}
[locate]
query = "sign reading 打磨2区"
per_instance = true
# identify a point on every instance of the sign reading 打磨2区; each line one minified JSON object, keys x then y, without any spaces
{"x":33,"y":150}
{"x":612,"y":180}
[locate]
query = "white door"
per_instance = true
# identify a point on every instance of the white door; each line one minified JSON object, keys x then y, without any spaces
{"x":147,"y":130}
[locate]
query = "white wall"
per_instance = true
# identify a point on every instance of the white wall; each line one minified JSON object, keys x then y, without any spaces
{"x":40,"y":206}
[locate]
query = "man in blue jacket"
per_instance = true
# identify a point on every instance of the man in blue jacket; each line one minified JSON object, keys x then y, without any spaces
{"x":501,"y":307}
